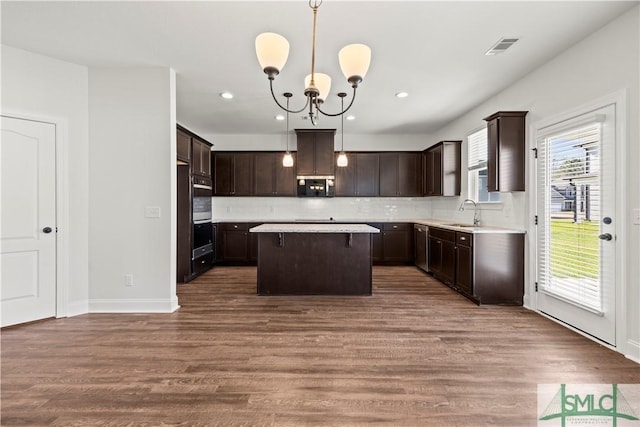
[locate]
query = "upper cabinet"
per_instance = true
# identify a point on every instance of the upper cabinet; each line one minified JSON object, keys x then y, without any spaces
{"x":442,"y":169}
{"x":271,"y":178}
{"x":233,"y":174}
{"x":506,"y":151}
{"x":400,"y":174}
{"x":315,"y":151}
{"x":201,"y":164}
{"x":359,"y":177}
{"x":183,"y":146}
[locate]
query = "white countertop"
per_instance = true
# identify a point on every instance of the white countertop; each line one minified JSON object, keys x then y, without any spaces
{"x":313,"y":228}
{"x":467,"y":228}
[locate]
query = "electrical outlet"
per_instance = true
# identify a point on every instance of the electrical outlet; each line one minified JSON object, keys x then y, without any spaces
{"x":128,"y":279}
{"x":152,"y":212}
{"x":636,"y":216}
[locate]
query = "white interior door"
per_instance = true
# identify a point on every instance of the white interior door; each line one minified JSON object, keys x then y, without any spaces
{"x":576,"y":207}
{"x":28,"y":225}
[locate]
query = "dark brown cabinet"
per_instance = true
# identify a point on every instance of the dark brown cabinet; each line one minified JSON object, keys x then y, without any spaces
{"x":315,"y":151}
{"x":183,"y":146}
{"x":488,"y":268}
{"x":442,"y":254}
{"x":233,"y":174}
{"x":442,"y":169}
{"x":506,"y":151}
{"x":359,"y":177}
{"x":394,"y":244}
{"x":400,"y":174}
{"x":271,"y":178}
{"x":236,"y":244}
{"x":201,"y":164}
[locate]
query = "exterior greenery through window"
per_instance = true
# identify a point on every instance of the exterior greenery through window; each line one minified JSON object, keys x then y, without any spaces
{"x":477,"y":168}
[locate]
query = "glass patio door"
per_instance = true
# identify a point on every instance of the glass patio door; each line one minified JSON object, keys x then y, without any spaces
{"x":576,"y":222}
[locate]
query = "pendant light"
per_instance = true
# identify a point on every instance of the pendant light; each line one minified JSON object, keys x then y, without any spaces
{"x":287,"y":160}
{"x":342,"y":157}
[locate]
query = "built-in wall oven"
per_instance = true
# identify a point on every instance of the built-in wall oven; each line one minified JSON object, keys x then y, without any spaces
{"x":203,"y":245}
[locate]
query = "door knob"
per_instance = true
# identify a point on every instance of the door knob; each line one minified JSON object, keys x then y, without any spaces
{"x":47,"y":230}
{"x":605,"y":236}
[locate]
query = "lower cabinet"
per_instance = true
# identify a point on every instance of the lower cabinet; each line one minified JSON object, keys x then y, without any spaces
{"x":488,"y":268}
{"x":394,"y":243}
{"x":235,"y":244}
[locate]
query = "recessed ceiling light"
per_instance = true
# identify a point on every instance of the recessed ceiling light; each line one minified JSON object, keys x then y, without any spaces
{"x":279,"y":117}
{"x":226,"y":95}
{"x":402,"y":94}
{"x":350,"y":117}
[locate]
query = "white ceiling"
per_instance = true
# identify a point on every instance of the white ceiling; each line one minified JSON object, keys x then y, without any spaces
{"x":433,"y":50}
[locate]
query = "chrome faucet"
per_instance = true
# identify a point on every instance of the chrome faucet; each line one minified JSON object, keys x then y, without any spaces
{"x":476,"y":218}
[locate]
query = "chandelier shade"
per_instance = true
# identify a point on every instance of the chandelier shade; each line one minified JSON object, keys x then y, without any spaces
{"x":354,"y":61}
{"x":272,"y":50}
{"x":322,"y":83}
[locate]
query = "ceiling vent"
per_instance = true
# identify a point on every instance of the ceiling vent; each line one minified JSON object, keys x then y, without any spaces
{"x":502,"y":45}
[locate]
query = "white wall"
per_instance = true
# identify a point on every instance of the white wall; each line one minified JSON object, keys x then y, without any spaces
{"x":43,"y":88}
{"x":601,"y":64}
{"x":132,"y":166}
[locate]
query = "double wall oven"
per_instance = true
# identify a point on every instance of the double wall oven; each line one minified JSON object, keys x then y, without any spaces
{"x":202,"y":247}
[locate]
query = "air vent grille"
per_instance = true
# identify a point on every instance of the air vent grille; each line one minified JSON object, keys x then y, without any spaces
{"x":502,"y":45}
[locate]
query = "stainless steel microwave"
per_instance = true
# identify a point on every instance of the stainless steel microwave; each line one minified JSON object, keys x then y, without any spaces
{"x":316,"y":186}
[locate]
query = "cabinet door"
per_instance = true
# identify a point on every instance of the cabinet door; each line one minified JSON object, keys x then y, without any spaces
{"x":285,"y":178}
{"x":492,"y":155}
{"x":205,"y":159}
{"x":252,"y":245}
{"x":346,"y":177}
{"x":388,"y":174}
{"x":243,"y":174}
{"x":324,"y":153}
{"x":235,"y":245}
{"x":464,"y":269}
{"x":223,"y":179}
{"x":367,"y":174}
{"x":398,"y":242}
{"x":183,"y":146}
{"x":306,"y":154}
{"x":196,"y":165}
{"x":409,"y":173}
{"x":434,"y":171}
{"x":264,"y":174}
{"x":448,"y":270}
{"x":435,"y":255}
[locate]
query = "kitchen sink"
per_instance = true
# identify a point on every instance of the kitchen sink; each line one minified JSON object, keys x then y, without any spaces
{"x":462,"y":225}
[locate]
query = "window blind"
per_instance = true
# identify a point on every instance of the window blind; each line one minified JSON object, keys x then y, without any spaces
{"x":477,"y":144}
{"x":569,"y":186}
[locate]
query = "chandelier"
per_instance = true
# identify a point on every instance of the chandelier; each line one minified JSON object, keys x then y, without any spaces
{"x":273,"y":49}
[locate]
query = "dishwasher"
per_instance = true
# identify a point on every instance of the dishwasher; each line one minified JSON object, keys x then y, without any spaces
{"x":421,"y":246}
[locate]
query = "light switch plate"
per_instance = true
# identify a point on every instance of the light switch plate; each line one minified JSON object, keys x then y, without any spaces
{"x":152,"y":212}
{"x":636,"y":216}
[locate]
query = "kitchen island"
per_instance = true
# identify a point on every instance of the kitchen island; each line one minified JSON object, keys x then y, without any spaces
{"x":314,"y":259}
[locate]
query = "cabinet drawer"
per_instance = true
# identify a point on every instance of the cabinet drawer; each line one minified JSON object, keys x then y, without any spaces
{"x":464,"y":239}
{"x":390,"y":226}
{"x":234,"y":226}
{"x":443,"y":234}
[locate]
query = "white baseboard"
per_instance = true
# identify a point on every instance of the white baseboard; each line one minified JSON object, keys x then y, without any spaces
{"x":133,"y":305}
{"x":633,"y":351}
{"x":76,"y":308}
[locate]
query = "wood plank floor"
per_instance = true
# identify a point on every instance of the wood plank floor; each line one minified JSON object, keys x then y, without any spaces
{"x":413,"y":354}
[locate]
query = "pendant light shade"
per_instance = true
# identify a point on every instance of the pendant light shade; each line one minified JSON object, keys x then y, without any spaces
{"x":354,"y":61}
{"x":322,"y":83}
{"x":272,"y":50}
{"x":343,"y":161}
{"x":287,"y":160}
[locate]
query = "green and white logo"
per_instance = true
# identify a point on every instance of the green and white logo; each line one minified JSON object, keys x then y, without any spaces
{"x":588,"y":404}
